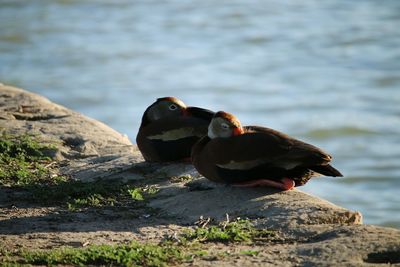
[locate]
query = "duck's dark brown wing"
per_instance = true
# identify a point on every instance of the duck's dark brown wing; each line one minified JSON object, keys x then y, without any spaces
{"x":259,"y":145}
{"x":310,"y":156}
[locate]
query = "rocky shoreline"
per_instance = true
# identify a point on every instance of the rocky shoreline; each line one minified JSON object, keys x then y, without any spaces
{"x":314,"y":232}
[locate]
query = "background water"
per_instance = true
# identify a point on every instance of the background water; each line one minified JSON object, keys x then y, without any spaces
{"x":327,"y":72}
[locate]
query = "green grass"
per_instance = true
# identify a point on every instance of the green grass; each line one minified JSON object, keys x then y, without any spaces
{"x":78,"y":195}
{"x":134,"y":254}
{"x":249,"y":252}
{"x":180,"y":179}
{"x":26,"y":166}
{"x":236,"y":231}
{"x":136,"y":194}
{"x":93,"y":200}
{"x":24,"y":161}
{"x":139,"y":193}
{"x":6,"y":257}
{"x":186,"y":248}
{"x":165,"y":253}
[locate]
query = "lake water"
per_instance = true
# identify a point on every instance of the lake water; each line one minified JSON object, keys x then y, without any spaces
{"x":327,"y":72}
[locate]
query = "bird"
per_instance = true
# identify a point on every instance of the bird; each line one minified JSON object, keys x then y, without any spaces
{"x":169,"y":129}
{"x":249,"y":156}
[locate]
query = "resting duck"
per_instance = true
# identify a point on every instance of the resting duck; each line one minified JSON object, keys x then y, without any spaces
{"x":256,"y":156}
{"x":169,"y":129}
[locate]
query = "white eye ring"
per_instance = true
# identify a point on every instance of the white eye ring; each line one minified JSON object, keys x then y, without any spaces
{"x":173,"y":107}
{"x":224,"y":126}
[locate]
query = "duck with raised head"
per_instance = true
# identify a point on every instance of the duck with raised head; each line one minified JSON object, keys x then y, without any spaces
{"x":169,"y":129}
{"x":257,"y":156}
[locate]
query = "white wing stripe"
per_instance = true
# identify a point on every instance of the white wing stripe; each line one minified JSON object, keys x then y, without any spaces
{"x":175,"y":134}
{"x":242,"y":165}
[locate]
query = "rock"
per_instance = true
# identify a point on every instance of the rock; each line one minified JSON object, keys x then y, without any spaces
{"x":81,"y":141}
{"x":316,"y":231}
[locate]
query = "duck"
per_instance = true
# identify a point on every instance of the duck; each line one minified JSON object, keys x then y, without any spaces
{"x":249,"y":156}
{"x":169,"y":129}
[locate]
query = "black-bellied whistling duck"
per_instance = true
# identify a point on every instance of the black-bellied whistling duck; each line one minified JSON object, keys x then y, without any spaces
{"x":169,"y":129}
{"x":256,"y":156}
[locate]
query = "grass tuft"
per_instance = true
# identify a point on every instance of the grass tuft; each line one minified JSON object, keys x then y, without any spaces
{"x":249,"y":252}
{"x":171,"y":251}
{"x":181,"y":179}
{"x":140,"y":193}
{"x":136,"y":194}
{"x":25,"y":161}
{"x":134,"y":254}
{"x":80,"y":195}
{"x":236,"y":231}
{"x":26,"y":166}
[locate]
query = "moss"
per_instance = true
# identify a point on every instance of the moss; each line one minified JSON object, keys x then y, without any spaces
{"x":138,"y":193}
{"x":24,"y":161}
{"x":171,"y":251}
{"x":93,"y":200}
{"x":165,"y":253}
{"x":26,"y":166}
{"x":6,"y":257}
{"x":181,"y":179}
{"x":249,"y":252}
{"x":134,"y":254}
{"x":77,"y":195}
{"x":236,"y":231}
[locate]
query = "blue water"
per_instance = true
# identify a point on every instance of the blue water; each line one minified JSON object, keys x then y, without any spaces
{"x":327,"y":72}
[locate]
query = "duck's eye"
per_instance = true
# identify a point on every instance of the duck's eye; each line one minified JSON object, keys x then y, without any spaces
{"x":173,"y":107}
{"x":224,"y":126}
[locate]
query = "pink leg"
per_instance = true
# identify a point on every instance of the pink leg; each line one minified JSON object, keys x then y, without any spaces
{"x":284,"y":184}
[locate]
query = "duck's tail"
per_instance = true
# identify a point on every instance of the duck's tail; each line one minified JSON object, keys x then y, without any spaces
{"x":326,"y":170}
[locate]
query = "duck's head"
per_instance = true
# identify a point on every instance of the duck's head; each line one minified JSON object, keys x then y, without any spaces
{"x":224,"y":125}
{"x":165,"y":107}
